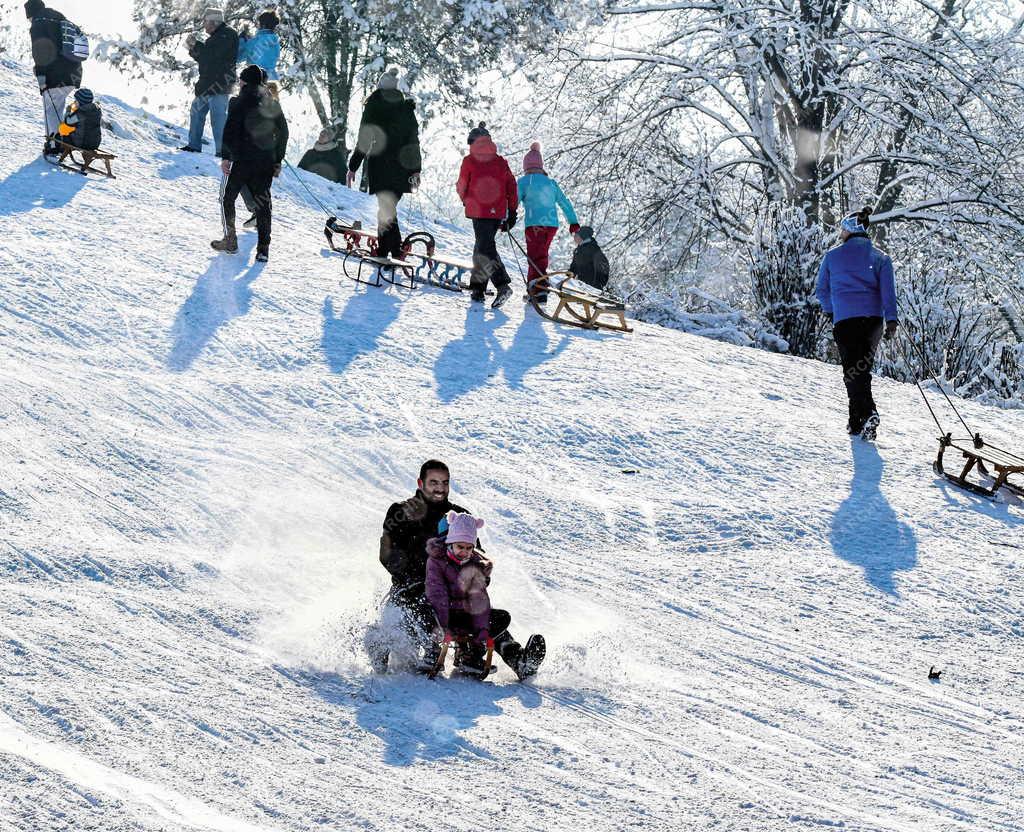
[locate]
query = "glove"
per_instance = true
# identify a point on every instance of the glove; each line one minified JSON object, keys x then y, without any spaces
{"x":41,"y":80}
{"x":350,"y":178}
{"x":414,"y":182}
{"x":277,"y":170}
{"x":510,"y":223}
{"x":448,"y":638}
{"x":890,"y":329}
{"x":65,"y":129}
{"x":574,"y":228}
{"x":191,"y":40}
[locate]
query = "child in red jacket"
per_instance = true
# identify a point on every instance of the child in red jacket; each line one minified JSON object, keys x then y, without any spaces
{"x":490,"y":193}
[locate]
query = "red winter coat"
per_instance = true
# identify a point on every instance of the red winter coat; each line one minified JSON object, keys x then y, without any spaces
{"x":486,"y":185}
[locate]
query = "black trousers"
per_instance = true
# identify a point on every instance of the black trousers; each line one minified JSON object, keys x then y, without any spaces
{"x":487,"y":263}
{"x":389,"y":235}
{"x":257,"y":178}
{"x":858,"y":340}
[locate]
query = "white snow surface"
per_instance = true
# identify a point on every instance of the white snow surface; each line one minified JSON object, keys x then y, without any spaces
{"x":197,"y":455}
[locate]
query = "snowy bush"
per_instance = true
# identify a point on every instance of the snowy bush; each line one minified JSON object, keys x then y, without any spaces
{"x":784,"y":262}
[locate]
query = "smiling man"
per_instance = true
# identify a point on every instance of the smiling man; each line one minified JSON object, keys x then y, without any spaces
{"x":403,"y":552}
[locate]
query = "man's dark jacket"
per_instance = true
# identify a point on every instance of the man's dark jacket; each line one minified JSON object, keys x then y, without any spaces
{"x":217,"y":57}
{"x":47,"y":43}
{"x":389,"y":141}
{"x":256,"y":131}
{"x":403,"y":545}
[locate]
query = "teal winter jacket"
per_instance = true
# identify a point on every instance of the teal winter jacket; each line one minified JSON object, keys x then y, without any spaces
{"x":542,"y":198}
{"x":263,"y":49}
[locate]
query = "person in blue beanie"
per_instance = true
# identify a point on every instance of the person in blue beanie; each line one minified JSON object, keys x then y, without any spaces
{"x":857,"y":290}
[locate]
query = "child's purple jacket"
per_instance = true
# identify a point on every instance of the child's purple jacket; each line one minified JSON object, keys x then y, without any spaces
{"x":453,"y":587}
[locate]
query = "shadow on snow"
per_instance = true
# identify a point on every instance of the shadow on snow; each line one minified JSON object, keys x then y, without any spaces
{"x":223,"y":293}
{"x":38,"y":184}
{"x":865,"y":529}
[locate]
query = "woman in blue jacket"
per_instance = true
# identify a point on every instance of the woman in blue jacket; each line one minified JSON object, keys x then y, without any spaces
{"x":542,"y":198}
{"x":263,"y":48}
{"x":857,"y":290}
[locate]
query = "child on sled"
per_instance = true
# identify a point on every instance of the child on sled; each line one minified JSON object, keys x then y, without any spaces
{"x":456,"y":587}
{"x":82,"y":127}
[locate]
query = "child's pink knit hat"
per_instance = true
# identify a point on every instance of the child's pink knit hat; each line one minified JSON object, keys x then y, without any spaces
{"x":533,"y":162}
{"x":462,"y":528}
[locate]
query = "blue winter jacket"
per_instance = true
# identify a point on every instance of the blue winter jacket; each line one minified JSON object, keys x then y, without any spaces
{"x":856,"y":281}
{"x":262,"y":49}
{"x":542,"y":198}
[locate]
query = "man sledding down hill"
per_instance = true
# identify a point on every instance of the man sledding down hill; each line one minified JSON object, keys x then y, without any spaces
{"x":453,"y":600}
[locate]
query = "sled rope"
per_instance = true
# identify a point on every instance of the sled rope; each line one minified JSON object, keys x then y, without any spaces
{"x":295,"y":173}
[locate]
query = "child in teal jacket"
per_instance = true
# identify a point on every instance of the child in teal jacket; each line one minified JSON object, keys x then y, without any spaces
{"x":541,"y":198}
{"x":263,"y":48}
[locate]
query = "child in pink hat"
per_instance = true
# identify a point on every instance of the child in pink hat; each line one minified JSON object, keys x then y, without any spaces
{"x":542,"y":198}
{"x":456,"y":586}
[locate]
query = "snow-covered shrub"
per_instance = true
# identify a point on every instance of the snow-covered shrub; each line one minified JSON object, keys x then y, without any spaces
{"x":784,"y":260}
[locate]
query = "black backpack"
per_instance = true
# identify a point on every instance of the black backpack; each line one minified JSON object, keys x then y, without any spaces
{"x":74,"y":44}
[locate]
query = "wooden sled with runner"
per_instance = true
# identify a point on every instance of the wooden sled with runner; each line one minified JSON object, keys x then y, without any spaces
{"x":977,"y":455}
{"x":578,"y":304}
{"x":66,"y":159}
{"x":461,"y":644}
{"x":361,"y":263}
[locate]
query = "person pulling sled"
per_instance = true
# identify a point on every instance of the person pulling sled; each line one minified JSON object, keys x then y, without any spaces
{"x":857,"y":290}
{"x":541,"y":197}
{"x":456,"y":587}
{"x":490,"y":194}
{"x":254,"y":145}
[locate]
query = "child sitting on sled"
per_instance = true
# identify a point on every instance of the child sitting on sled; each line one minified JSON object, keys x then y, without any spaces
{"x":456,"y":586}
{"x":589,"y":263}
{"x":82,"y":126}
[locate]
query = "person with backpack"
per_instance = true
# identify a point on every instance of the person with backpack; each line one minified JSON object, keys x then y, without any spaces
{"x":263,"y":48}
{"x":58,"y":50}
{"x":857,"y":290}
{"x":490,"y":194}
{"x":389,"y":143}
{"x":255,"y":142}
{"x":82,"y":126}
{"x":217,"y":57}
{"x":457,"y":578}
{"x":542,"y":198}
{"x":588,"y":261}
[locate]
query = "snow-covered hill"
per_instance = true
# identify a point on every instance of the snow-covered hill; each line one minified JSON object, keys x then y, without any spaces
{"x":196,"y":457}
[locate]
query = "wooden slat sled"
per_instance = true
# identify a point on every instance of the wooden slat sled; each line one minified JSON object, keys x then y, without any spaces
{"x":585,"y":308}
{"x":420,"y":263}
{"x":981,"y":456}
{"x":84,"y":167}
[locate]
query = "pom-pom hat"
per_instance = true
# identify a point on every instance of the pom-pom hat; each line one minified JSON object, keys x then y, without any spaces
{"x":463,"y":528}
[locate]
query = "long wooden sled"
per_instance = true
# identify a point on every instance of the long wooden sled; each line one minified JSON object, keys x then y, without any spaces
{"x":84,"y":167}
{"x":576,"y":306}
{"x":980,"y":455}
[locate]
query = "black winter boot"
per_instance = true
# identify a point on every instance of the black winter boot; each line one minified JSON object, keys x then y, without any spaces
{"x":530,"y":657}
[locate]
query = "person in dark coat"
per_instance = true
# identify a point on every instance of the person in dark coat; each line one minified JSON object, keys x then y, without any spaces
{"x":56,"y":75}
{"x":389,"y":142}
{"x":408,"y":526}
{"x":83,"y":122}
{"x":588,"y":261}
{"x":326,"y":158}
{"x":217,"y":57}
{"x":255,"y":142}
{"x":857,"y":290}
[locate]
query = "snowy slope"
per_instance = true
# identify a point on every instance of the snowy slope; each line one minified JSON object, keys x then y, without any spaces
{"x":197,"y":455}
